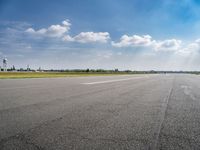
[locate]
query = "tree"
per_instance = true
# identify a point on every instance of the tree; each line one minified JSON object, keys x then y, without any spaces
{"x":13,"y":68}
{"x":87,"y":70}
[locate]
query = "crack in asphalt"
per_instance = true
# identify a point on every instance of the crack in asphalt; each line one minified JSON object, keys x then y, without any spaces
{"x":154,"y":146}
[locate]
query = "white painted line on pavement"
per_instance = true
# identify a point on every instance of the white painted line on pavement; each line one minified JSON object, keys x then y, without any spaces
{"x":109,"y":81}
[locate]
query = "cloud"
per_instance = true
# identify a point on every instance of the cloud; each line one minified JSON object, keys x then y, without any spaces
{"x":52,"y":31}
{"x":66,"y":23}
{"x":168,"y":45}
{"x":89,"y":37}
{"x":19,"y":25}
{"x":191,"y":48}
{"x":147,"y":41}
{"x":61,"y":31}
{"x":133,"y":41}
{"x":68,"y":38}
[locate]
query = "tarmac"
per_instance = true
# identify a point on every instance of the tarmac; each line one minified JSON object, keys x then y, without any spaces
{"x":125,"y":112}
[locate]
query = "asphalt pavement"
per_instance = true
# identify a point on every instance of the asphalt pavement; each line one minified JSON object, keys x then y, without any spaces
{"x":127,"y":112}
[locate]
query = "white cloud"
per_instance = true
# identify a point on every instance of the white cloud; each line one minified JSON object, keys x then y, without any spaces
{"x":147,"y":41}
{"x":89,"y":37}
{"x":133,"y":41}
{"x":52,"y":31}
{"x":61,"y":31}
{"x":57,"y":30}
{"x":68,"y":38}
{"x":191,"y":48}
{"x":66,"y":23}
{"x":38,"y":32}
{"x":30,"y":30}
{"x":168,"y":45}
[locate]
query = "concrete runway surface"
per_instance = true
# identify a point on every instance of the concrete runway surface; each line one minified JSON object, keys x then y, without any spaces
{"x":101,"y":113}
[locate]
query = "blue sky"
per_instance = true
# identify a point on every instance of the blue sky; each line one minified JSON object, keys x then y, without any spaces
{"x":108,"y":34}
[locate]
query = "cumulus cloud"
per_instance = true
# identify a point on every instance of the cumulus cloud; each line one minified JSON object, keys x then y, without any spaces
{"x":168,"y":45}
{"x":89,"y":37}
{"x":53,"y":30}
{"x":66,"y":23}
{"x":68,"y":38}
{"x":133,"y":41}
{"x":147,"y":41}
{"x":61,"y":31}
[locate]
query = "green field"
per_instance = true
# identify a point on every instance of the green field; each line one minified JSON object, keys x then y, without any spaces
{"x":13,"y":75}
